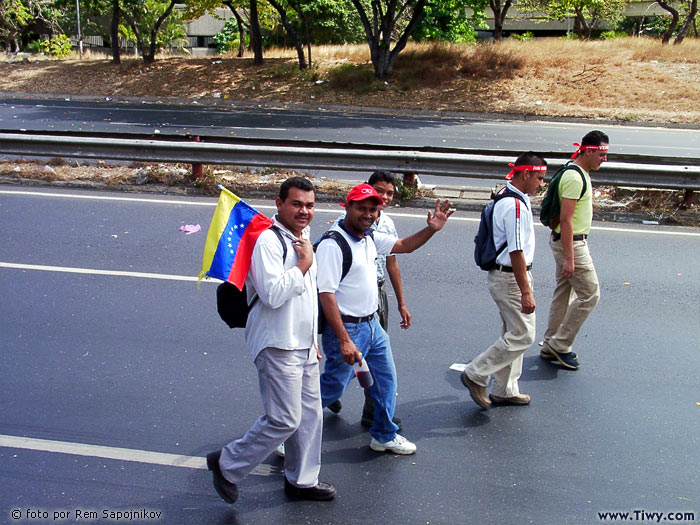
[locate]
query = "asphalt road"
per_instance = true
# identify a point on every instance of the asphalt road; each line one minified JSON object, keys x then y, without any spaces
{"x":115,"y":386}
{"x":339,"y":126}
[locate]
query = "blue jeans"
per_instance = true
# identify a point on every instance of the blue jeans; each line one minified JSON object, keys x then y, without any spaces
{"x":373,"y":343}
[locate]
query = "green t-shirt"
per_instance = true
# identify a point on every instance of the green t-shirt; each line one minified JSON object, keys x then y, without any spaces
{"x":570,"y":187}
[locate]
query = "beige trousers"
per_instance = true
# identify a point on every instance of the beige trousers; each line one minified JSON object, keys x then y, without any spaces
{"x":573,"y":299}
{"x":503,"y":360}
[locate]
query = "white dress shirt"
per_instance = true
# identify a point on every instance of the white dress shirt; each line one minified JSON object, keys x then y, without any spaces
{"x":286,"y":312}
{"x":512,"y":223}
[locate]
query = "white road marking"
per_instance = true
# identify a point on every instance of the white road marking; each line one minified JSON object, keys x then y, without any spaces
{"x":119,"y":454}
{"x":91,"y":271}
{"x":318,"y":210}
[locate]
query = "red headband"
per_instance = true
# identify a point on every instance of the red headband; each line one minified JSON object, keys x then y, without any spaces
{"x":523,"y":168}
{"x":603,"y":147}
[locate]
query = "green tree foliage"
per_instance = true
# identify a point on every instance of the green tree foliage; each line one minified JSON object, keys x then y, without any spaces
{"x":17,"y":16}
{"x":228,"y":38}
{"x":447,"y":20}
{"x":587,"y":14}
{"x":152,"y":25}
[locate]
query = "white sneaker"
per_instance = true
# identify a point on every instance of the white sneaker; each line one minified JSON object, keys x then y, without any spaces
{"x":398,"y":445}
{"x":280,"y":450}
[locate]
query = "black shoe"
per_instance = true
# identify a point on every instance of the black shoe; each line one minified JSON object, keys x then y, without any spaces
{"x":569,"y":360}
{"x":321,"y":492}
{"x":335,"y":406}
{"x":227,"y":490}
{"x":368,"y":420}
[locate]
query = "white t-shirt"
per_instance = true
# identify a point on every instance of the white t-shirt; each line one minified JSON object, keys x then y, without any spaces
{"x":357,"y":294}
{"x":512,"y":223}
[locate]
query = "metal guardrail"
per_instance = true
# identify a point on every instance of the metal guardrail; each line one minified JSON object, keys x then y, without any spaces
{"x":637,"y":171}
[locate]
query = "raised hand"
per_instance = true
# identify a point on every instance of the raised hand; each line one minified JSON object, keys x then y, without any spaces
{"x":438,"y":218}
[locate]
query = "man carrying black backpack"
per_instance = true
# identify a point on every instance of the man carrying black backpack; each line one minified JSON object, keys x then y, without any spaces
{"x":510,"y":284}
{"x":569,"y":243}
{"x":281,"y":335}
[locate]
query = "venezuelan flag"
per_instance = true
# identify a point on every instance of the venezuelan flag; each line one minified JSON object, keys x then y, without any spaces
{"x":232,"y":234}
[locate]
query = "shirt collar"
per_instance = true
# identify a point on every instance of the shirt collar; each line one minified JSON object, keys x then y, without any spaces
{"x":341,"y":224}
{"x":305,"y":233}
{"x":516,"y":190}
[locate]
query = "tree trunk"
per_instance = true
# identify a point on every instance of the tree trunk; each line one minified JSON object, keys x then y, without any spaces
{"x":241,"y":27}
{"x":154,"y":33}
{"x":379,"y":30}
{"x":499,"y":16}
{"x":666,"y":38}
{"x":241,"y":34}
{"x":690,"y":18}
{"x":289,"y":28}
{"x":255,"y":34}
{"x":116,"y":51}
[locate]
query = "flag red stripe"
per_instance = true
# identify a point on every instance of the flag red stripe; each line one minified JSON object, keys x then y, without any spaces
{"x":241,"y":262}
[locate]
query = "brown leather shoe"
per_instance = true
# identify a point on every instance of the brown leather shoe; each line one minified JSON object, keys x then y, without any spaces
{"x":519,"y":400}
{"x":477,"y":392}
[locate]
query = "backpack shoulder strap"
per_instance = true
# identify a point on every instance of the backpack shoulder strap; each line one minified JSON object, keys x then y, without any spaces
{"x":508,"y":193}
{"x":281,"y":239}
{"x":344,"y":249}
{"x":571,"y":166}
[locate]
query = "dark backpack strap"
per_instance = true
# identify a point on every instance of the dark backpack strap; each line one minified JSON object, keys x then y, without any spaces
{"x":344,"y":249}
{"x":571,"y":166}
{"x":284,"y":244}
{"x":284,"y":257}
{"x":496,"y":198}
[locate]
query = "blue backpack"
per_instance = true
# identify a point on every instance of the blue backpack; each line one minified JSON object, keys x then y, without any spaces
{"x":485,"y":251}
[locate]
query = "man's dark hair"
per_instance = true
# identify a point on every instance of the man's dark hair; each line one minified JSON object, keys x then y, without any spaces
{"x":295,"y":182}
{"x":595,"y":138}
{"x":382,"y":176}
{"x":530,"y":158}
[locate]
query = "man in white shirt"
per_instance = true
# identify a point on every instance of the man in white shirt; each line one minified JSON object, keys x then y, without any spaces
{"x":352,"y":331}
{"x":510,"y":285}
{"x":384,"y":183}
{"x":281,"y":338}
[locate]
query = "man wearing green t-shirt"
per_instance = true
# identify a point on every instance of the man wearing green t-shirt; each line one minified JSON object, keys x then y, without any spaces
{"x":577,"y":290}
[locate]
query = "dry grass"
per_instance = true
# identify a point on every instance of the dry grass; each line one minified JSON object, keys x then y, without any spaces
{"x":625,"y":79}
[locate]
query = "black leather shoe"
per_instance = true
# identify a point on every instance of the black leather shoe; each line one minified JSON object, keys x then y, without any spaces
{"x":335,"y":406}
{"x":321,"y":492}
{"x":227,"y":490}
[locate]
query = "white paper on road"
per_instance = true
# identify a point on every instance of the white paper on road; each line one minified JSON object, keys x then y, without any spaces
{"x":459,"y":367}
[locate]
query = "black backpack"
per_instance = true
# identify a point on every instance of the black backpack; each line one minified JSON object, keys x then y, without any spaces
{"x":550,"y":209}
{"x":347,"y":263}
{"x":485,"y":251}
{"x":232,"y":303}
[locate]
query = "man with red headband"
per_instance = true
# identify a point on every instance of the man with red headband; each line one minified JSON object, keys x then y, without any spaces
{"x":353,"y":332}
{"x":510,"y":285}
{"x":569,"y":242}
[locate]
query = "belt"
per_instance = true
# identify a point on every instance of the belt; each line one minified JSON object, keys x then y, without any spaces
{"x":578,"y":237}
{"x":509,"y":269}
{"x":353,"y":319}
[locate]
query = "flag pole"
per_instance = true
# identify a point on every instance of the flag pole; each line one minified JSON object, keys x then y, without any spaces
{"x":226,"y":190}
